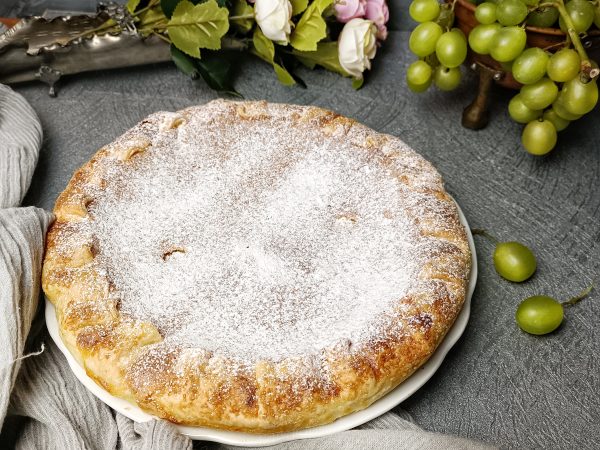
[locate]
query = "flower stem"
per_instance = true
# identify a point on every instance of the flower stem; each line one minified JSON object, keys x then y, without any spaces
{"x":242,"y":17}
{"x":152,"y":22}
{"x":164,"y":38}
{"x":150,"y":5}
{"x":105,"y":26}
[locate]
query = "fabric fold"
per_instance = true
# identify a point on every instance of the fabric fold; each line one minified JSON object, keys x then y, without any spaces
{"x":20,"y":142}
{"x":22,"y":233}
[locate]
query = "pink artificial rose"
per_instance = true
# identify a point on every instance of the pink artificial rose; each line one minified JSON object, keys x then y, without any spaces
{"x":377,"y":11}
{"x":346,"y":10}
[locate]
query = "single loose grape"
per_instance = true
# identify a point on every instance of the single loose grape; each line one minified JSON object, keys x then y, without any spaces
{"x":539,"y":137}
{"x":424,"y":37}
{"x":539,"y":95}
{"x":514,"y":261}
{"x":581,"y":13}
{"x":509,"y":42}
{"x":564,"y":65}
{"x":445,"y":78}
{"x":521,"y":113}
{"x":424,"y":10}
{"x":530,"y":66}
{"x":511,"y":12}
{"x":451,"y":48}
{"x":544,"y":17}
{"x":579,"y":97}
{"x":558,"y":122}
{"x":539,"y":314}
{"x":419,"y":76}
{"x":485,"y":13}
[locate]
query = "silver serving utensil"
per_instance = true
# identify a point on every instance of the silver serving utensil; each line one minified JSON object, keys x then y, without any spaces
{"x":45,"y":49}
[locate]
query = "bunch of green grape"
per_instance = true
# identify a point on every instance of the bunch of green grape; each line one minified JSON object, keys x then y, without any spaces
{"x":559,"y":83}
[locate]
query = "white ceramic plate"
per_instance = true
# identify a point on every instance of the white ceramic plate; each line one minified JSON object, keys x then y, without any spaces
{"x":395,"y":397}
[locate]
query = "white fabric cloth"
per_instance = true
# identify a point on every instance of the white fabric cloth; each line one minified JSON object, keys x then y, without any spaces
{"x":60,"y":413}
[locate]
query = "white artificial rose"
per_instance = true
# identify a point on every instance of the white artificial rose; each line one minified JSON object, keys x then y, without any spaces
{"x":357,"y":46}
{"x":274,"y":17}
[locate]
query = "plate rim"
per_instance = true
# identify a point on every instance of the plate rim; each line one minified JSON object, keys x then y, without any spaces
{"x":392,"y":399}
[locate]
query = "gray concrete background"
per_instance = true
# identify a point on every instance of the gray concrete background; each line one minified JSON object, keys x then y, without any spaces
{"x":497,"y":384}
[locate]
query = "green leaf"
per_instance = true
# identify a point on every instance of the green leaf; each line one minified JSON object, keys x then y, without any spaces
{"x":298,"y":6}
{"x":168,"y":6}
{"x":216,"y":70}
{"x":184,"y":62}
{"x":242,"y":8}
{"x":132,"y":5}
{"x":311,"y":27}
{"x":151,"y":16}
{"x":357,"y":83}
{"x":265,"y":49}
{"x":283,"y":75}
{"x":325,"y":56}
{"x":201,"y":26}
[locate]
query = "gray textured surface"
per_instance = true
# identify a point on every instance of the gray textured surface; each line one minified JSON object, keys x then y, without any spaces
{"x":497,"y":384}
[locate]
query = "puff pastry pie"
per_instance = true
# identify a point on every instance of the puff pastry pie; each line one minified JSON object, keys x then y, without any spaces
{"x":253,"y":266}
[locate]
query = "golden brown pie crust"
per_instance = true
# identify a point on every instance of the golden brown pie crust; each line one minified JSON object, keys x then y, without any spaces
{"x":128,"y":357}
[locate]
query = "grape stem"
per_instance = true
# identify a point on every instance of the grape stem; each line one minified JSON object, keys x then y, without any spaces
{"x":150,"y":5}
{"x":586,"y":66}
{"x":583,"y":294}
{"x":485,"y":234}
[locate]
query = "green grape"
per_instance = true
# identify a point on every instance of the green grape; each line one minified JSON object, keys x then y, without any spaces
{"x":446,"y":79}
{"x":564,"y":65}
{"x":559,"y":108}
{"x":558,"y":122}
{"x":579,"y":97}
{"x":540,"y":94}
{"x":424,"y":10}
{"x":485,"y":13}
{"x":514,"y":261}
{"x":511,"y":12}
{"x":481,"y":38}
{"x":539,"y":137}
{"x":539,"y":314}
{"x":451,"y":48}
{"x":597,"y":17}
{"x":544,"y":17}
{"x":419,"y":76}
{"x":531,"y":2}
{"x":509,"y":42}
{"x":424,"y":37}
{"x":521,"y":113}
{"x":581,"y":13}
{"x":530,"y":66}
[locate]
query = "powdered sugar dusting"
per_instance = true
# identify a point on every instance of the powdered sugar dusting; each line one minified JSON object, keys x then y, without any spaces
{"x":254,"y":242}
